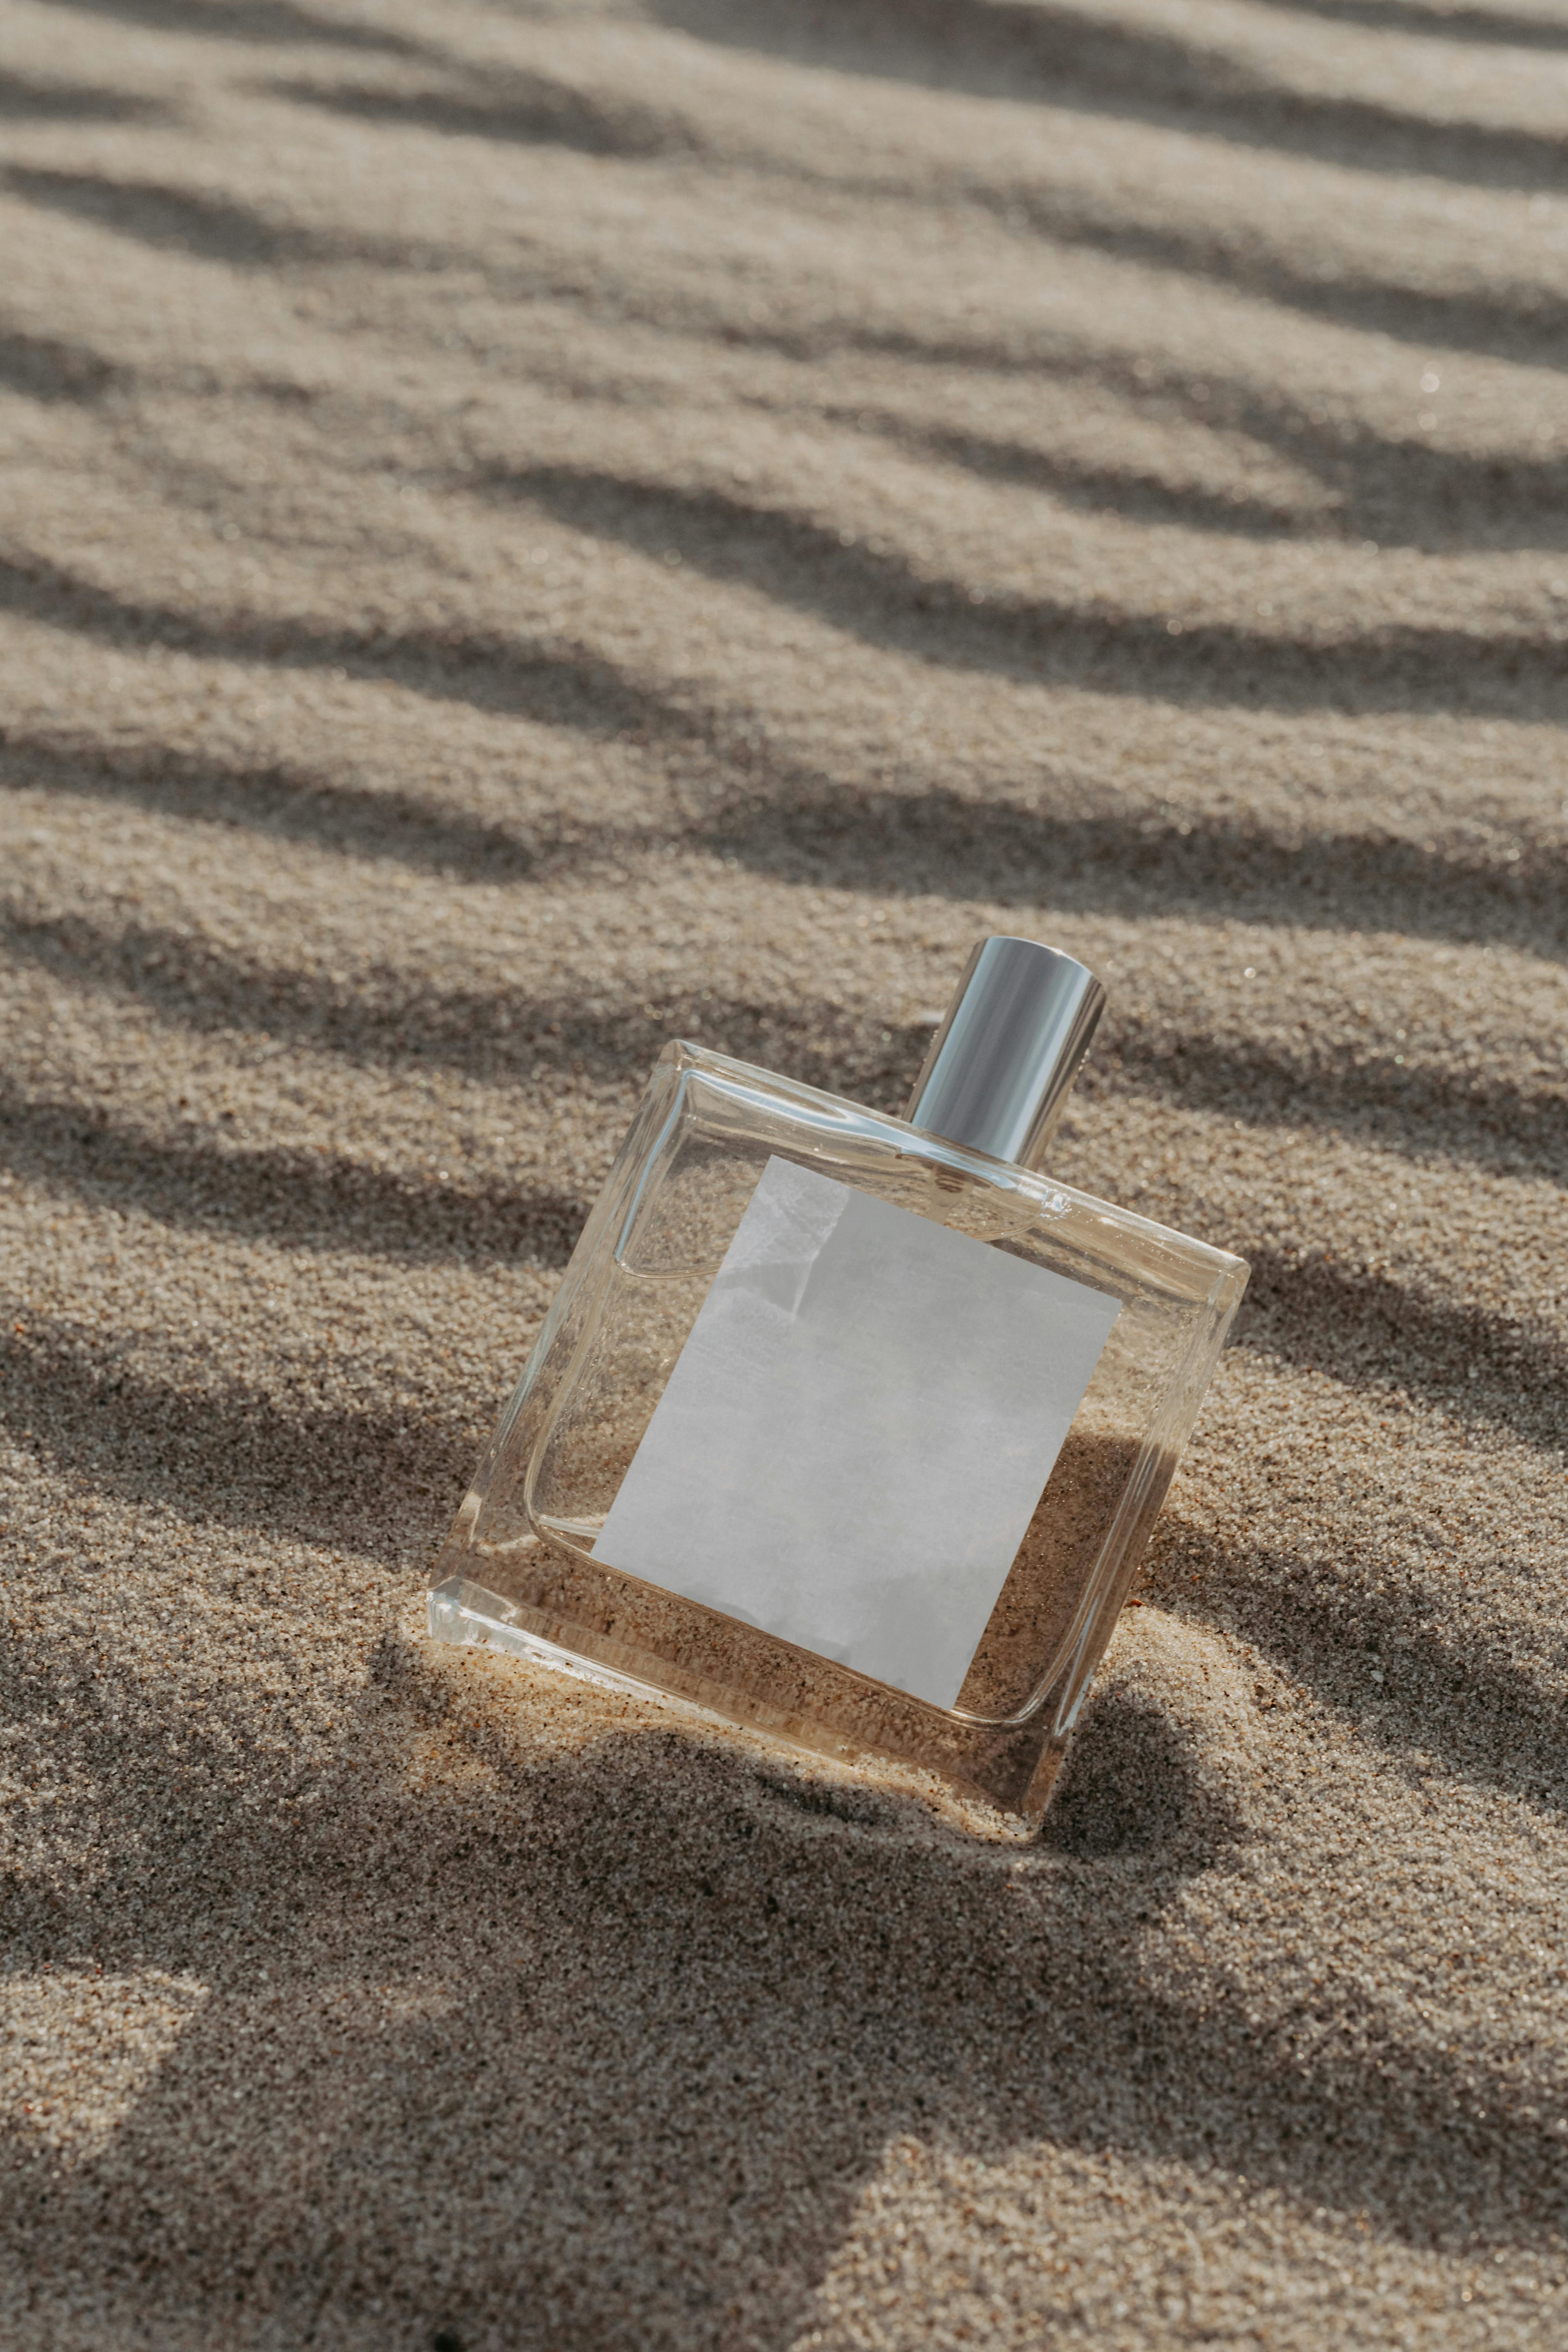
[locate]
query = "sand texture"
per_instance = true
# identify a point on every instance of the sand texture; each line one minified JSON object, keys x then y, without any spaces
{"x":528,"y":530}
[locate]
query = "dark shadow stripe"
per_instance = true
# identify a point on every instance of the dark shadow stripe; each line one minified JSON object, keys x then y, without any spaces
{"x":526,"y":110}
{"x":1396,"y":493}
{"x":51,"y":367}
{"x":23,"y":100}
{"x":1416,"y":1110}
{"x":221,"y":1450}
{"x":297,"y":1198}
{"x":881,"y":599}
{"x":385,"y":1017}
{"x":1513,"y":317}
{"x":976,"y":2042}
{"x":1141,"y":496}
{"x":1509,"y":315}
{"x":1447,"y":1689}
{"x":270,"y":22}
{"x":277,"y":800}
{"x":1364,"y":1329}
{"x":1022,"y":49}
{"x":1519,"y":319}
{"x":1356,"y":1327}
{"x":181,"y":220}
{"x":934,"y":843}
{"x":1522,"y":321}
{"x":1402,"y":493}
{"x":784,"y":1926}
{"x":1434,"y":20}
{"x":559,"y":685}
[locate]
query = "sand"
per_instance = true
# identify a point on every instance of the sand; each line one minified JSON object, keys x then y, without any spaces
{"x":530,"y":531}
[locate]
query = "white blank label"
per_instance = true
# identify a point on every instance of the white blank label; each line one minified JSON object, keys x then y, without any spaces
{"x":858,"y":1430}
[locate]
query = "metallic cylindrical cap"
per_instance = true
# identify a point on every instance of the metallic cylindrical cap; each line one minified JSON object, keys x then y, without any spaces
{"x":999,"y":1072}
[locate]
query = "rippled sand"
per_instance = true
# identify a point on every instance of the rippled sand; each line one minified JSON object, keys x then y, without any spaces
{"x":527,"y":531}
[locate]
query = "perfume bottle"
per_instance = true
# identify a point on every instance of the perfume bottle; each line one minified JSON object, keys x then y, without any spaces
{"x":847,"y":1427}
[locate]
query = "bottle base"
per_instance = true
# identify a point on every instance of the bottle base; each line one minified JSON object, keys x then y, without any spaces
{"x":469,"y":1615}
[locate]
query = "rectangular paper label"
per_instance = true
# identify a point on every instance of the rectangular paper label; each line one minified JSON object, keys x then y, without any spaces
{"x":858,"y":1430}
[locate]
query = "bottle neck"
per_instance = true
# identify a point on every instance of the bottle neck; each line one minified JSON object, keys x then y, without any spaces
{"x":1002,"y":1065}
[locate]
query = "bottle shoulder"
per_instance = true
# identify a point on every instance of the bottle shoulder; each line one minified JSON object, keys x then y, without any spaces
{"x":954,"y":1182}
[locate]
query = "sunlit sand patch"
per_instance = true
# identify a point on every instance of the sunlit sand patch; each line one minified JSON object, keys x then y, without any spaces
{"x":77,"y":2049}
{"x":985,"y":2250}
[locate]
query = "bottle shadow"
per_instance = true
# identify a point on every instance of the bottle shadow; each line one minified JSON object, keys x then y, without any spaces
{"x":539,"y":2031}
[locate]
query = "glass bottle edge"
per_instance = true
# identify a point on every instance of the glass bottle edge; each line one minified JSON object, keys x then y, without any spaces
{"x":462,"y":1596}
{"x":1076,"y":1655}
{"x":1079,"y":1653}
{"x":922,"y":1143}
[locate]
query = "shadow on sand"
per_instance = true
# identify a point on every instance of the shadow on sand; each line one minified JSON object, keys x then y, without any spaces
{"x":604,"y":2046}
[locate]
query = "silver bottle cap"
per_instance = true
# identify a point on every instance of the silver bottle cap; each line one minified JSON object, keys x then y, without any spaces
{"x":1001,"y":1065}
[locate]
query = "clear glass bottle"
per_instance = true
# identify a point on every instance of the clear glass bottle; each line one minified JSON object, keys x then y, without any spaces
{"x":847,"y":1427}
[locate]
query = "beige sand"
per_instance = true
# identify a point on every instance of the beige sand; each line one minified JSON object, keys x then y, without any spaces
{"x":527,"y":530}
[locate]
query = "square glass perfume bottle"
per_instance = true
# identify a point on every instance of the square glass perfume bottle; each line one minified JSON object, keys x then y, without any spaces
{"x":847,"y":1427}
